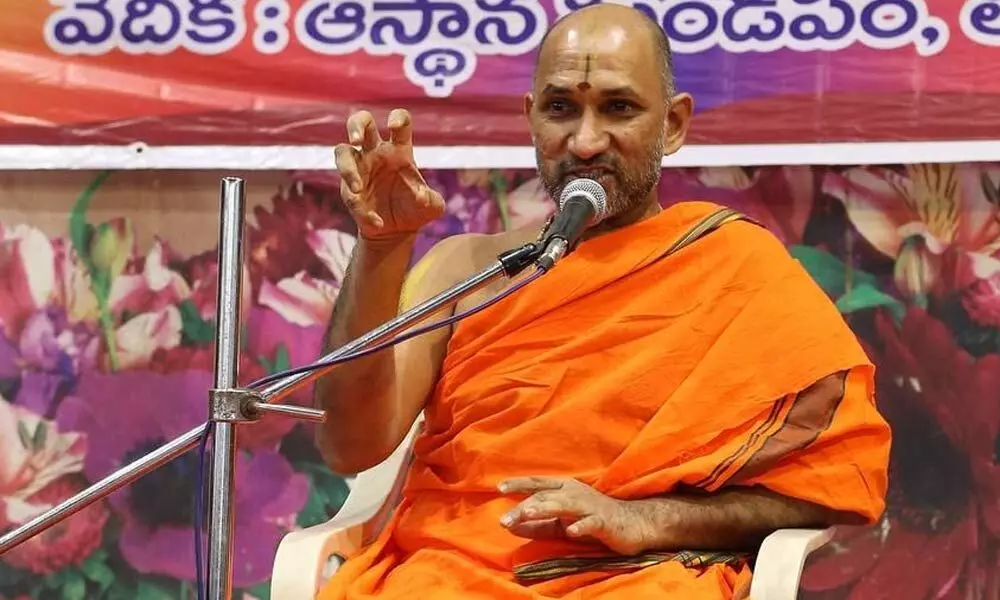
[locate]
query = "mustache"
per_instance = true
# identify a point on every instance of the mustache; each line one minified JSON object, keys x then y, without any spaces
{"x":607,"y":163}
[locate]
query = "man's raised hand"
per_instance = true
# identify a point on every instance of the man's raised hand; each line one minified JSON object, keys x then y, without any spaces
{"x":380,"y":183}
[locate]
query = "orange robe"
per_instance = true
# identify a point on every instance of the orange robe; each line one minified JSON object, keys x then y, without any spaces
{"x":638,"y":377}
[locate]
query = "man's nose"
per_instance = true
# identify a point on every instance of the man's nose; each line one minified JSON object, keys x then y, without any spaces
{"x":590,"y":139}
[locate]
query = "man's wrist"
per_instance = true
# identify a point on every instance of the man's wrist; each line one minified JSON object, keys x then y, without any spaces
{"x":654,"y":523}
{"x":645,"y":525}
{"x":387,"y":244}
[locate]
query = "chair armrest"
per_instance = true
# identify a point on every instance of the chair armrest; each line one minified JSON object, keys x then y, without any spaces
{"x":780,"y":561}
{"x":306,"y":558}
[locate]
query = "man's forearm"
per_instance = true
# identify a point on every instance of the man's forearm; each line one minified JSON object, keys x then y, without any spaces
{"x":369,"y":296}
{"x":357,"y":394}
{"x":737,"y":519}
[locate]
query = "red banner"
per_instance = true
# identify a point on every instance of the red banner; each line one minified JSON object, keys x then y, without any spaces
{"x":264,"y":72}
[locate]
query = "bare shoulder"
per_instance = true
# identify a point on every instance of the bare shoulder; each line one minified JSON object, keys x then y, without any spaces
{"x":457,"y":257}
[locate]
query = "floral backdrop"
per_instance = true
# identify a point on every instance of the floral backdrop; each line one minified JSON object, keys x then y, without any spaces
{"x":106,"y":353}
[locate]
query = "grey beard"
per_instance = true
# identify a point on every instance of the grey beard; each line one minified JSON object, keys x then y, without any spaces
{"x":633,"y":188}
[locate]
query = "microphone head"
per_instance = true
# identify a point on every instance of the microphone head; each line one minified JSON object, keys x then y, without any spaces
{"x":589,"y":190}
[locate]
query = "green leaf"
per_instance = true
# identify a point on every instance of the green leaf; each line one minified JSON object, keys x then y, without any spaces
{"x":121,"y":590}
{"x":56,"y":580}
{"x":829,"y":271}
{"x":261,"y":591}
{"x":498,"y":181}
{"x":80,"y":231}
{"x":194,"y":329}
{"x":314,"y":512}
{"x":24,"y":434}
{"x":865,"y":297}
{"x":100,"y":555}
{"x":334,"y":487}
{"x":282,"y":362}
{"x":327,"y":493}
{"x":41,"y":433}
{"x":150,"y":591}
{"x":100,"y":283}
{"x":74,"y":586}
{"x":97,"y":570}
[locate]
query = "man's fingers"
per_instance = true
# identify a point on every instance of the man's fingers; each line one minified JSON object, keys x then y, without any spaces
{"x":588,"y":526}
{"x":433,"y":198}
{"x":549,"y":508}
{"x":530,"y":485}
{"x":358,"y":208}
{"x":361,"y":130}
{"x":538,"y":530}
{"x":400,"y":127}
{"x":349,"y":166}
{"x":534,"y":509}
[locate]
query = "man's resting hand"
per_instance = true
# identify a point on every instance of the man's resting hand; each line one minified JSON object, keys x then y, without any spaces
{"x":732,"y":519}
{"x":568,"y":508}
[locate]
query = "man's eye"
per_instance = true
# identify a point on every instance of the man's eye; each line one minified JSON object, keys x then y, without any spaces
{"x":621,"y":107}
{"x":558,"y":107}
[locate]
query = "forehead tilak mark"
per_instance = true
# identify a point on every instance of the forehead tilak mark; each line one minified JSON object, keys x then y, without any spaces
{"x":583,"y":85}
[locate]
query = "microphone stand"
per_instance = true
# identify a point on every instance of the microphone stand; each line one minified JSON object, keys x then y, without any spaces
{"x":230,"y":406}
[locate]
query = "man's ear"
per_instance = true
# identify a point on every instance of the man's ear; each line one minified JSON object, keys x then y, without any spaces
{"x":677,"y":122}
{"x":528,"y":104}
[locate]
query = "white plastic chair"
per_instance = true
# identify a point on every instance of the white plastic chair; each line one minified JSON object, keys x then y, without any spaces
{"x":307,"y":558}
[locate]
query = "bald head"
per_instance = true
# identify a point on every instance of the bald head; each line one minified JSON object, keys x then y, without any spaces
{"x":608,"y":20}
{"x":603,"y":107}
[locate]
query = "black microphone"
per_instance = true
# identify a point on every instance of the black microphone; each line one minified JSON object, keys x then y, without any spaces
{"x":582,"y":204}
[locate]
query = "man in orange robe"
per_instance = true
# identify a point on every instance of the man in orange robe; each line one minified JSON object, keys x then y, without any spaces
{"x":630,"y":424}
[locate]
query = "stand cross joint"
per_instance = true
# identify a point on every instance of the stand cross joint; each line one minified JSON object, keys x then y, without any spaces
{"x":233,"y":405}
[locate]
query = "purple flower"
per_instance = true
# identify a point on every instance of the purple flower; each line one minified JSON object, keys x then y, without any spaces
{"x":470,"y":208}
{"x":48,"y":357}
{"x":129,"y":414}
{"x":50,"y":344}
{"x":10,"y":359}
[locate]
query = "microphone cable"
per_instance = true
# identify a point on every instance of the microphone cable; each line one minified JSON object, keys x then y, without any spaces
{"x":200,"y":486}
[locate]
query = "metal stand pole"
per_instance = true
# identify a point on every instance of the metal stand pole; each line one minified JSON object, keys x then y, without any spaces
{"x":230,"y":406}
{"x":227,"y":361}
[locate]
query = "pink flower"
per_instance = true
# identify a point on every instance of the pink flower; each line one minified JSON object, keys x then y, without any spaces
{"x":72,"y":285}
{"x":302,"y":300}
{"x":139,"y":337}
{"x":333,"y":248}
{"x":277,"y":245}
{"x":33,"y":454}
{"x":780,"y":199}
{"x":69,"y":542}
{"x":943,"y":503}
{"x":155,"y":288}
{"x":205,"y":290}
{"x":37,"y":273}
{"x":305,"y":300}
{"x":528,"y":205}
{"x":982,"y":301}
{"x":27,"y":275}
{"x":938,"y":214}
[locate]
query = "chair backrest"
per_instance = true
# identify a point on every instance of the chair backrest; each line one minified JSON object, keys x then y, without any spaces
{"x":388,"y":477}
